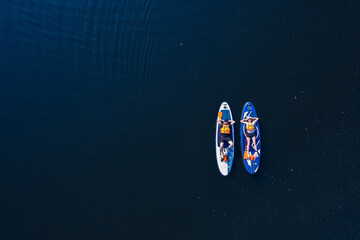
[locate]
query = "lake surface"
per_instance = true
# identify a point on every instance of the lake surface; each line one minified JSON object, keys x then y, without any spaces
{"x":108,"y":110}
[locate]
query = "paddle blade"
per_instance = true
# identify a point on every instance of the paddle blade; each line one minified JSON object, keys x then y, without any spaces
{"x":220,"y":115}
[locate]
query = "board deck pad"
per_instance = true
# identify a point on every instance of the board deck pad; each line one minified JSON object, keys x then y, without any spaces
{"x":251,"y":166}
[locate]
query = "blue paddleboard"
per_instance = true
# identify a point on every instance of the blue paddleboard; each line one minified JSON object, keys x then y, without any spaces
{"x":224,"y":167}
{"x":251,"y":166}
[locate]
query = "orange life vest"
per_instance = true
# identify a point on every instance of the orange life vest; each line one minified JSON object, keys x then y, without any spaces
{"x":250,"y":128}
{"x":225,"y":129}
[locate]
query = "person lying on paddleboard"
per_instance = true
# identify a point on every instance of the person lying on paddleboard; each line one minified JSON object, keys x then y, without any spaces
{"x":225,"y":134}
{"x":250,"y":134}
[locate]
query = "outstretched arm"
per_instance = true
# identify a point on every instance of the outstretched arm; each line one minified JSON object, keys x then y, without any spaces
{"x":243,"y":121}
{"x":256,"y":119}
{"x":220,"y":120}
{"x":232,"y":122}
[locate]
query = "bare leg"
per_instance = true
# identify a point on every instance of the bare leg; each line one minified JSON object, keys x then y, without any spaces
{"x":255,"y":146}
{"x":230,"y":144}
{"x":221,"y":146}
{"x":248,"y":140}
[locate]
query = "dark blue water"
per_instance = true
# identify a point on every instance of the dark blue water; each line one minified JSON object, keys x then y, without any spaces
{"x":108,"y":109}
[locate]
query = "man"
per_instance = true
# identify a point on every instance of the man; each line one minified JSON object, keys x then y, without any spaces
{"x":225,"y":134}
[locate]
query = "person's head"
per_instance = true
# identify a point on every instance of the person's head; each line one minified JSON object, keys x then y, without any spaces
{"x":226,"y":120}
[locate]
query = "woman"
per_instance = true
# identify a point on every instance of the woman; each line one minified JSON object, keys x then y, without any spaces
{"x":250,"y":135}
